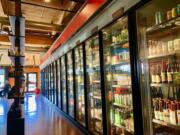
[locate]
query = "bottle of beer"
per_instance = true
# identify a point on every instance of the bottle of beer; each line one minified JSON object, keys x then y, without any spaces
{"x":153,"y":76}
{"x":173,"y":119}
{"x":169,"y":73}
{"x":163,"y":73}
{"x":178,"y":113}
{"x":158,"y":74}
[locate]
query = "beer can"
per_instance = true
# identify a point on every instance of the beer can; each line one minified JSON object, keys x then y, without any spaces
{"x":178,"y":9}
{"x":174,"y":13}
{"x":169,"y":15}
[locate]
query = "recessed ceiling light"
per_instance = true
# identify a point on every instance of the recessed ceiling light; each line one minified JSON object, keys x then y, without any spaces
{"x":47,"y":1}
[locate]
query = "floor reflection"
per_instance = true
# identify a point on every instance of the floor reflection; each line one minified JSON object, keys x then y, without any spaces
{"x":40,"y":118}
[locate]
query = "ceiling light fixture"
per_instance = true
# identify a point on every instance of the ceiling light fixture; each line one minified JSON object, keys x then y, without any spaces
{"x":47,"y":1}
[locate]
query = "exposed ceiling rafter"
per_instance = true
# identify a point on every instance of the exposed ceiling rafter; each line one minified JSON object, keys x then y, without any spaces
{"x":44,"y":6}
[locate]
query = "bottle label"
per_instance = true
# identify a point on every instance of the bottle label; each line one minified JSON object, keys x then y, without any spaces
{"x":163,"y":77}
{"x":156,"y":114}
{"x":178,"y":116}
{"x":169,"y":77}
{"x":173,"y":117}
{"x":176,"y":78}
{"x":158,"y":79}
{"x":153,"y":77}
{"x":166,"y":115}
{"x":170,"y":46}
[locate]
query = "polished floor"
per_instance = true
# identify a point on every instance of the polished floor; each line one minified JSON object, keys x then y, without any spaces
{"x":40,"y":118}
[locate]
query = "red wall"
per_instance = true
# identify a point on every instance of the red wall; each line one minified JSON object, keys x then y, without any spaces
{"x":88,"y":10}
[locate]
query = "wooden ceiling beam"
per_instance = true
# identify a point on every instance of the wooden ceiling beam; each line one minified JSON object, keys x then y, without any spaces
{"x":36,"y":25}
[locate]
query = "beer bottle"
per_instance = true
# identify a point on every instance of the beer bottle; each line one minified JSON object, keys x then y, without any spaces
{"x":163,"y":73}
{"x":169,"y":73}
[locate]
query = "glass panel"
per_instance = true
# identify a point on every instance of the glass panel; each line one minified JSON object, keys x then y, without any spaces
{"x":63,"y":83}
{"x":70,"y":83}
{"x":51,"y":83}
{"x":32,"y":82}
{"x":2,"y":79}
{"x":55,"y":88}
{"x":49,"y":86}
{"x":118,"y":77}
{"x":79,"y":72}
{"x":93,"y":85}
{"x":25,"y":75}
{"x":59,"y":83}
{"x":159,"y":47}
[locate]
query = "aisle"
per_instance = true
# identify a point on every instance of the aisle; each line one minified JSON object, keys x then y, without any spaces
{"x":40,"y":119}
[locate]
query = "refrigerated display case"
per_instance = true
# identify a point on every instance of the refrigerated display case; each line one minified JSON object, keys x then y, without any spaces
{"x":70,"y":83}
{"x":118,"y":77}
{"x":79,"y":85}
{"x":158,"y":25}
{"x":54,"y":83}
{"x":63,"y":84}
{"x":94,"y":85}
{"x":59,"y":82}
{"x":49,"y":83}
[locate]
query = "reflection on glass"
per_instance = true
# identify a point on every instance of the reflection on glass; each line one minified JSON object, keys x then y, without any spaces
{"x":93,"y":85}
{"x":63,"y":83}
{"x":118,"y":77}
{"x":70,"y":84}
{"x":79,"y":78}
{"x":59,"y":83}
{"x":51,"y":83}
{"x":159,"y":47}
{"x":55,"y":87}
{"x":32,"y":81}
{"x":31,"y":106}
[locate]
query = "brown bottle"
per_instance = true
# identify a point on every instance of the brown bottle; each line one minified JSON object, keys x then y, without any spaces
{"x":169,"y":73}
{"x":158,"y":74}
{"x":161,"y":103}
{"x":153,"y":75}
{"x":166,"y":111}
{"x":178,"y":113}
{"x":163,"y":73}
{"x":173,"y":119}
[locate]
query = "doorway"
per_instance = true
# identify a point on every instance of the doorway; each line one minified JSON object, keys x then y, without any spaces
{"x":31,"y":82}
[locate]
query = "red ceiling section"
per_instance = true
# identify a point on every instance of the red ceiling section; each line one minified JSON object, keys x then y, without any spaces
{"x":89,"y":9}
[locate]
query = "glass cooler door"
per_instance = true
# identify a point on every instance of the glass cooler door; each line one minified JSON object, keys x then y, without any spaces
{"x":118,"y":77}
{"x":158,"y":24}
{"x":55,"y":87}
{"x":94,"y":85}
{"x":63,"y":84}
{"x":70,"y":83}
{"x":79,"y":83}
{"x":59,"y":82}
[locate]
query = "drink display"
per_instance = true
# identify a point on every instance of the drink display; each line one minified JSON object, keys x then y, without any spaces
{"x":94,"y":85}
{"x":70,"y":83}
{"x":159,"y":47}
{"x":118,"y":77}
{"x":63,"y":84}
{"x":59,"y":82}
{"x":54,"y":81}
{"x":51,"y":83}
{"x":79,"y":83}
